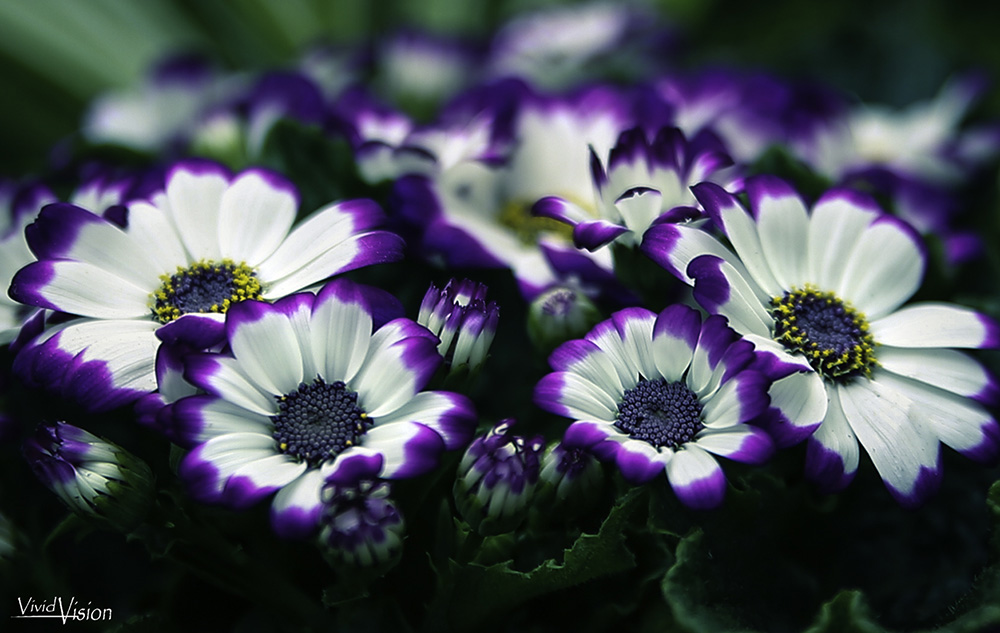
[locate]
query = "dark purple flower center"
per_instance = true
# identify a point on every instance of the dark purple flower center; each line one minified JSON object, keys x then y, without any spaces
{"x":660,"y":412}
{"x":828,"y":331}
{"x":204,"y":287}
{"x":318,"y":421}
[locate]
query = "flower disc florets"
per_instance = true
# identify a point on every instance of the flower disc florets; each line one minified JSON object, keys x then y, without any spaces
{"x":660,"y":412}
{"x":828,"y":331}
{"x":318,"y":421}
{"x":205,"y":286}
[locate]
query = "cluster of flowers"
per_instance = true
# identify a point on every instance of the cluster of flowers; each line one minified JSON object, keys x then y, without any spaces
{"x":194,"y":291}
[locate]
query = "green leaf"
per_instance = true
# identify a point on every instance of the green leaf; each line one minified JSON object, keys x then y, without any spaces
{"x":476,"y":593}
{"x":687,"y":589}
{"x":846,"y":613}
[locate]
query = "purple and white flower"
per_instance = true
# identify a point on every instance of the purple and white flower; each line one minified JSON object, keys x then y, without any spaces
{"x":923,"y":142}
{"x":161,"y":112}
{"x":822,"y":293}
{"x":316,"y":388}
{"x":659,"y":393}
{"x":559,"y":47}
{"x":641,"y":183}
{"x":170,"y":271}
{"x":478,"y":212}
{"x":421,"y":69}
{"x":93,"y":477}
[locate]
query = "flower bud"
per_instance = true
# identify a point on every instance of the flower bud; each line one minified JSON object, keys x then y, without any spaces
{"x":361,"y":526}
{"x":570,"y":478}
{"x":558,"y":315}
{"x":95,"y":478}
{"x":496,"y":479}
{"x":460,"y":316}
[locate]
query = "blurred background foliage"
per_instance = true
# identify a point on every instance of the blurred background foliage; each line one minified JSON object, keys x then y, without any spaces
{"x":55,"y":55}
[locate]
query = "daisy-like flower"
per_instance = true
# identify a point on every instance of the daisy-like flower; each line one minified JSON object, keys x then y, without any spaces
{"x":824,"y":291}
{"x":207,"y":241}
{"x":159,"y":113}
{"x":662,"y":392}
{"x":316,"y":389}
{"x":923,"y":141}
{"x":558,"y":47}
{"x":642,"y":182}
{"x":420,"y":70}
{"x":478,"y":212}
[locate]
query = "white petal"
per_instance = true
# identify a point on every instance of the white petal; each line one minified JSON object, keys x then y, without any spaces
{"x":957,"y":421}
{"x":273,"y":471}
{"x":637,"y":336}
{"x":585,"y":400}
{"x":229,"y":453}
{"x":341,"y":332}
{"x":320,"y":232}
{"x":883,"y":421}
{"x":696,"y":477}
{"x":87,"y":290}
{"x":782,"y":222}
{"x":254,"y":217}
{"x":672,"y":356}
{"x":835,"y":228}
{"x":933,"y":325}
{"x":835,"y":435}
{"x":801,"y":397}
{"x":945,"y":368}
{"x":398,"y":361}
{"x":195,"y":201}
{"x":150,"y":225}
{"x":883,"y":270}
{"x":106,"y":246}
{"x":221,"y":417}
{"x":639,"y":211}
{"x":229,"y":381}
{"x":742,"y":231}
{"x":268,"y":352}
{"x":296,"y":507}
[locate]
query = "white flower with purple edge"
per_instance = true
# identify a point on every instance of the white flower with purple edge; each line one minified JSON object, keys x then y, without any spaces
{"x":641,"y":183}
{"x":659,"y":393}
{"x":316,"y":389}
{"x":160,"y":112}
{"x":823,"y":290}
{"x":478,"y":213}
{"x":207,"y":240}
{"x":922,"y":142}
